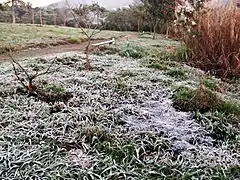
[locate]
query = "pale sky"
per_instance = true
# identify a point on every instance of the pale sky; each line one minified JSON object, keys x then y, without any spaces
{"x":37,"y":2}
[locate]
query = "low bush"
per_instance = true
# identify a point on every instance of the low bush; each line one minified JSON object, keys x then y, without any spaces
{"x":203,"y":99}
{"x":219,"y":117}
{"x":177,"y":73}
{"x":74,"y":40}
{"x":210,"y":84}
{"x":135,"y":52}
{"x":54,"y":88}
{"x":158,"y":66}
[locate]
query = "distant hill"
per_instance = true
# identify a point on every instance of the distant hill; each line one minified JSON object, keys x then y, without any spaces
{"x":108,"y":4}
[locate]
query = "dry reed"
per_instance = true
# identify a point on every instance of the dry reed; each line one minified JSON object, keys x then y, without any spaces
{"x":214,"y":43}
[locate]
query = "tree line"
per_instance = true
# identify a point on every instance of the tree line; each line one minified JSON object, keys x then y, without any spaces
{"x":142,"y":15}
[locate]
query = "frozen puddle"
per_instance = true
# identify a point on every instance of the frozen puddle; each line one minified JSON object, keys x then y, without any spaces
{"x":178,"y":126}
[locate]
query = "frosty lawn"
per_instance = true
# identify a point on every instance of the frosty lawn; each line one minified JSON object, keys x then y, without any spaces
{"x":120,"y":124}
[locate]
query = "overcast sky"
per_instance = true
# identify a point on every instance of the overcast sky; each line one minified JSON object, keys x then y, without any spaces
{"x":37,"y":2}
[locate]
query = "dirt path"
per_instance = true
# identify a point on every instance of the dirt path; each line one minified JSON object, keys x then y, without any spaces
{"x":33,"y":52}
{"x":46,"y":51}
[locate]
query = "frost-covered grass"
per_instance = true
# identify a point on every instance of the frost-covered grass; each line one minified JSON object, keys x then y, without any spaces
{"x":120,"y":124}
{"x":27,"y":35}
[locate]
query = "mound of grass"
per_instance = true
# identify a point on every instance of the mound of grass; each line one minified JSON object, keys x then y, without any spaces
{"x":74,"y":40}
{"x":107,"y":50}
{"x":183,"y":97}
{"x":135,"y":52}
{"x":158,"y":66}
{"x":220,"y":117}
{"x":210,"y":84}
{"x":204,"y":100}
{"x":178,"y":54}
{"x":54,"y":88}
{"x":177,"y":73}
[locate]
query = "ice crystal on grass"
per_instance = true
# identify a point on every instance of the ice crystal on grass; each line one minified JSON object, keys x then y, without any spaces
{"x":119,"y":124}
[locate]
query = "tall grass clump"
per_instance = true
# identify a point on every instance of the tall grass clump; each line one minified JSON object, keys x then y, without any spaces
{"x":214,"y":41}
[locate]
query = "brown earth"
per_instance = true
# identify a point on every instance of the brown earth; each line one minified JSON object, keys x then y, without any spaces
{"x":61,"y":48}
{"x":32,"y":52}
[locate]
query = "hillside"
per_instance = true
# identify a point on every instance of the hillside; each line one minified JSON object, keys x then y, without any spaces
{"x":109,"y":4}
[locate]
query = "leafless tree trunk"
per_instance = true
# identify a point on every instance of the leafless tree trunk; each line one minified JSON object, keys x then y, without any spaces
{"x":138,"y":25}
{"x":41,"y":20}
{"x":86,"y":32}
{"x":55,"y":19}
{"x":33,"y":18}
{"x":65,"y":18}
{"x":167,"y":30}
{"x":154,"y":31}
{"x":88,"y":66}
{"x":13,"y":12}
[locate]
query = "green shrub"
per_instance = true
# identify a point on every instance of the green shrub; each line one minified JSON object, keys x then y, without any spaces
{"x":133,"y":51}
{"x":74,"y":40}
{"x":210,"y":84}
{"x":229,"y":107}
{"x":177,"y":73}
{"x":220,"y":117}
{"x":158,"y":66}
{"x":201,"y":99}
{"x":54,"y":88}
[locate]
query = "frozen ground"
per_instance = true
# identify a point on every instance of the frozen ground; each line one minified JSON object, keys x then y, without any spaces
{"x":120,"y":124}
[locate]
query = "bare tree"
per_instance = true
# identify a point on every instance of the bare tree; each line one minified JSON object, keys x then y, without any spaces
{"x":41,"y":19}
{"x":87,"y":19}
{"x":13,"y":12}
{"x":33,"y":16}
{"x":28,"y":83}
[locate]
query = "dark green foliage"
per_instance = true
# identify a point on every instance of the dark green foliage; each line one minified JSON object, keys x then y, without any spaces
{"x":221,"y":127}
{"x":159,"y":11}
{"x":209,"y":84}
{"x":182,"y":98}
{"x":229,"y":107}
{"x":74,"y":40}
{"x":157,"y":66}
{"x":176,"y":73}
{"x":54,"y":88}
{"x":136,"y":52}
{"x":1,"y":7}
{"x":222,"y":118}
